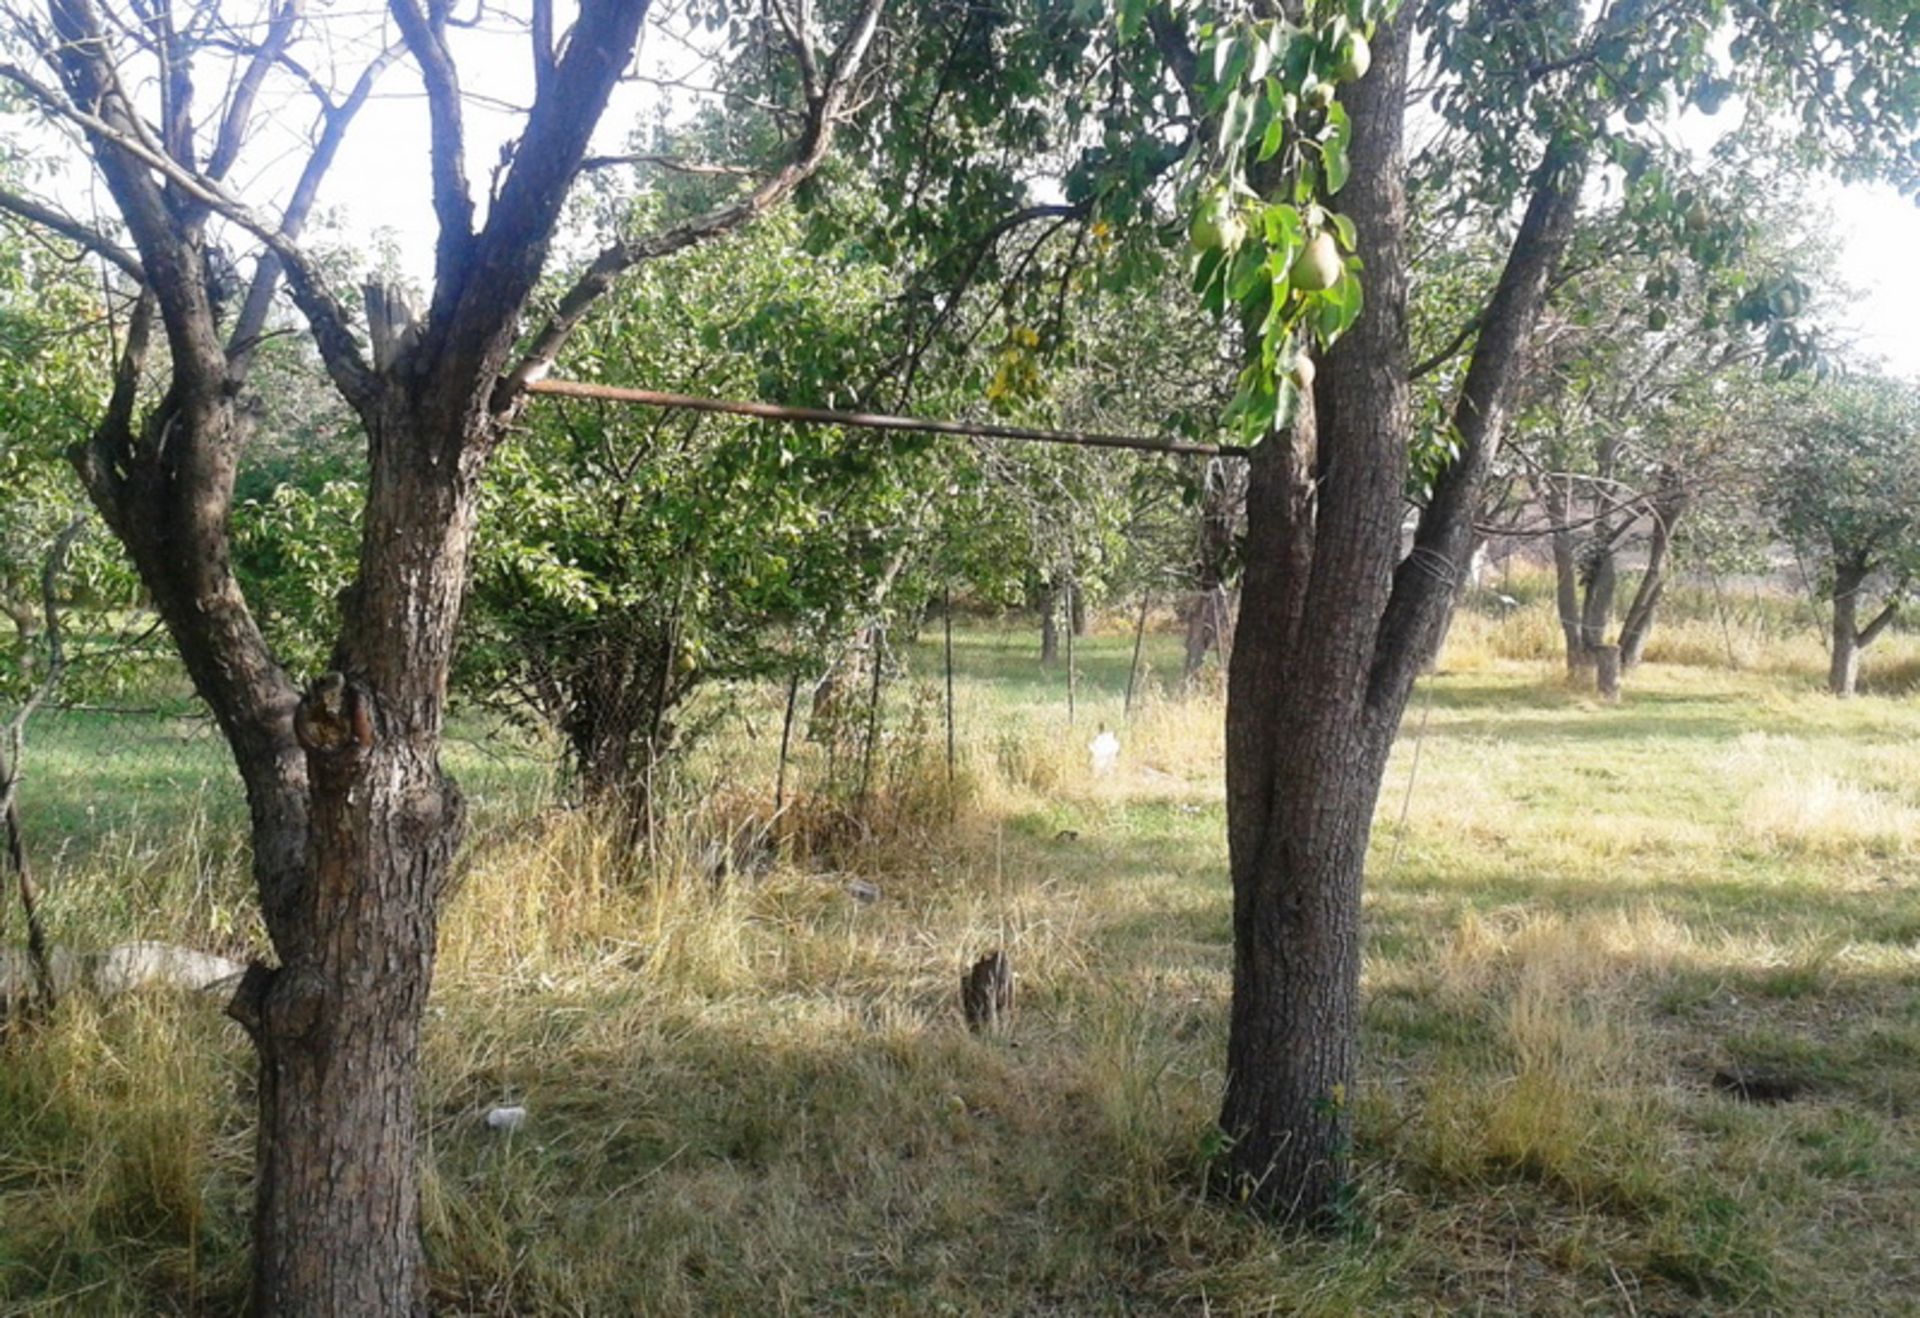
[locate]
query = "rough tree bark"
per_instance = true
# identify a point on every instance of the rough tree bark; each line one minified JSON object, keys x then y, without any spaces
{"x":1331,"y":638}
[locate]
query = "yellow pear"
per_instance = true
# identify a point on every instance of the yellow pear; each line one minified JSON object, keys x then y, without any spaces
{"x":1318,"y":266}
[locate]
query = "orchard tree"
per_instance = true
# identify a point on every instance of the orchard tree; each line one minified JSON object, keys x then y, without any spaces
{"x":354,"y":822}
{"x":1262,"y":132}
{"x":1335,"y":623}
{"x":1643,"y":402}
{"x":642,"y":556}
{"x":1846,"y":488}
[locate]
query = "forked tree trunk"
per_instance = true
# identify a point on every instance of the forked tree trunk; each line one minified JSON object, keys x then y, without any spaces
{"x":1669,"y":506}
{"x":337,"y":1023}
{"x":1323,"y":511}
{"x":1849,"y":637}
{"x":1330,"y":640}
{"x":354,"y":825}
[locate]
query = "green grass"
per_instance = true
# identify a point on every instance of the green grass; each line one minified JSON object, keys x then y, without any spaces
{"x":759,"y":1097}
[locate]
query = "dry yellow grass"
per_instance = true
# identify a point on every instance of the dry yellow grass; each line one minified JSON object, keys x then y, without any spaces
{"x":754,"y":1093}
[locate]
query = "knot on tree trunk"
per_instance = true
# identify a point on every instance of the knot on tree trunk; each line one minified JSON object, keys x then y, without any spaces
{"x":334,"y":716}
{"x":276,"y":1002}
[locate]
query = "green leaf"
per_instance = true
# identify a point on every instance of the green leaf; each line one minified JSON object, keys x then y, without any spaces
{"x":1244,"y":277}
{"x":1333,"y":147}
{"x":1235,"y":122}
{"x":1270,"y":141}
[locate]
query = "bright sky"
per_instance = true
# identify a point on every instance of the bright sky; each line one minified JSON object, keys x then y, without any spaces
{"x":1880,"y":256}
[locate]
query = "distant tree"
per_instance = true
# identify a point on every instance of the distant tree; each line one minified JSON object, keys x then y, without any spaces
{"x":1642,"y":404}
{"x":52,"y":343}
{"x":641,"y":556}
{"x":1846,"y":488}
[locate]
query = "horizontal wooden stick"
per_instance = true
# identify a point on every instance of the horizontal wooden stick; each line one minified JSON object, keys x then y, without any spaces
{"x":876,"y":421}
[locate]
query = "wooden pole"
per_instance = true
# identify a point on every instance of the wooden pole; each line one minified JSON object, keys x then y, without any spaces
{"x":1070,"y":672}
{"x":946,"y":611}
{"x":786,"y":742}
{"x":1139,"y":635}
{"x":873,"y":716}
{"x":878,"y":420}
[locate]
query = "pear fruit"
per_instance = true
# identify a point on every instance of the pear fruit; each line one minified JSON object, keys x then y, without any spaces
{"x":1356,"y":57}
{"x":1318,"y":266}
{"x":1217,"y":226}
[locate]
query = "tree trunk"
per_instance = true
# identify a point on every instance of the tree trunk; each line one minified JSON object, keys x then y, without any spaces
{"x":616,"y":700}
{"x":1843,"y":671}
{"x":1669,"y":506}
{"x":1077,"y":607}
{"x":338,"y":1022}
{"x":1443,"y":542}
{"x":1566,"y":571}
{"x":1205,"y":611}
{"x":1599,"y":581}
{"x":1606,"y":672}
{"x":1331,"y":638}
{"x":1438,"y":645}
{"x":354,"y":825}
{"x":1304,"y":757}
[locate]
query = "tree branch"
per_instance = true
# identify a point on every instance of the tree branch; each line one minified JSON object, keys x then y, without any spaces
{"x":1884,"y":619}
{"x":540,"y":32}
{"x":598,"y":278}
{"x":68,"y":227}
{"x":673,"y":163}
{"x":337,"y":119}
{"x":452,"y":198}
{"x":1425,"y":580}
{"x":233,"y":125}
{"x":142,"y":208}
{"x":1448,"y":352}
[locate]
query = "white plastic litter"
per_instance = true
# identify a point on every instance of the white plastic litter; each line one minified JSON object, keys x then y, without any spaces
{"x":506,"y":1118}
{"x":1106,"y":751}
